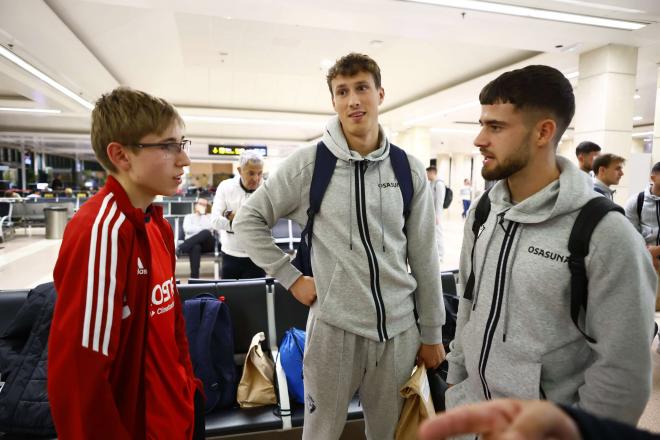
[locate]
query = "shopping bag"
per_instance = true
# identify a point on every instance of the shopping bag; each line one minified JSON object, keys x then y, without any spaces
{"x":417,"y":407}
{"x":256,"y":385}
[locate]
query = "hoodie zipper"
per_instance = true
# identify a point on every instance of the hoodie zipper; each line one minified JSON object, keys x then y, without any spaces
{"x":496,"y":305}
{"x":374,"y":277}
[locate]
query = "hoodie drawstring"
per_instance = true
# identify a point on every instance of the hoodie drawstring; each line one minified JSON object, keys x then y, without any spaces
{"x":350,"y":204}
{"x":380,"y":196}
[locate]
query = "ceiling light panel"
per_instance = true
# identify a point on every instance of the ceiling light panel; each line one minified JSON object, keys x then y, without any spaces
{"x":30,"y":110}
{"x":542,"y":14}
{"x":43,"y":77}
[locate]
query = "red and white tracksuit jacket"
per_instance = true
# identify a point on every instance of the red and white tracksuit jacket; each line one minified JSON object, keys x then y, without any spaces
{"x":97,"y":344}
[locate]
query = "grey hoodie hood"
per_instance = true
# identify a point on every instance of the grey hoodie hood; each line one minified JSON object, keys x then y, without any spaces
{"x":333,"y":138}
{"x":567,"y":194}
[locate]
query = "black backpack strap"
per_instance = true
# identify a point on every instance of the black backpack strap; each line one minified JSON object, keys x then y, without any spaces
{"x":578,"y":246}
{"x":401,"y":166}
{"x":640,"y":204}
{"x":324,"y":168}
{"x":480,"y":216}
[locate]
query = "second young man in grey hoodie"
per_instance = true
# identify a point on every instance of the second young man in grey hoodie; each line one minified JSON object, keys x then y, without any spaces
{"x":515,"y":336}
{"x":361,"y":332}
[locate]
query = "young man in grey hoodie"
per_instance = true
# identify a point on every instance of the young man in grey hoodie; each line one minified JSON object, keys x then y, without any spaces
{"x":515,"y":336}
{"x":361,"y":332}
{"x":648,"y":223}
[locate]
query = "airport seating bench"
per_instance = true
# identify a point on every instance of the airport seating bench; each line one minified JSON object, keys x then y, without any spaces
{"x":256,"y":305}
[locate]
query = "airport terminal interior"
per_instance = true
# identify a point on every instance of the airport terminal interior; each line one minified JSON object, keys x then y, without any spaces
{"x":251,"y":75}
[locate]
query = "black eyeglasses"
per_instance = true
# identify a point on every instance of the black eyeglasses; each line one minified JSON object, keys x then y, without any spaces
{"x":170,"y":147}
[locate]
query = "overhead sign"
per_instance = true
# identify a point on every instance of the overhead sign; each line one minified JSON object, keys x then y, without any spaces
{"x":236,"y":150}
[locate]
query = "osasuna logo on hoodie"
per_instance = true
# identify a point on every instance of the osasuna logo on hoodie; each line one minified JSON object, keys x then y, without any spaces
{"x":388,"y":185}
{"x":547,"y":254}
{"x":140,"y":267}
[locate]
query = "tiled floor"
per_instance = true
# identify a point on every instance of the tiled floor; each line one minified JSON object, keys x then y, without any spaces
{"x":26,"y":261}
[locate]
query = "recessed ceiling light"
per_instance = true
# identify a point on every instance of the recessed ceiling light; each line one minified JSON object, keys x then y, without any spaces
{"x":597,"y":6}
{"x":572,"y":75}
{"x":45,"y":78}
{"x":543,"y":14}
{"x":30,"y":110}
{"x":376,"y":44}
{"x":636,"y":96}
{"x":637,"y":118}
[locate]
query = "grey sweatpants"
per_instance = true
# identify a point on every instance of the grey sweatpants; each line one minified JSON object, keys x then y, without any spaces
{"x":338,"y":363}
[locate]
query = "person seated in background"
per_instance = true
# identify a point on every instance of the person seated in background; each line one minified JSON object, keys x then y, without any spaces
{"x":586,"y":152}
{"x":57,"y":183}
{"x":527,"y":419}
{"x":10,"y":194}
{"x":34,"y":195}
{"x":608,"y":169}
{"x":199,"y":238}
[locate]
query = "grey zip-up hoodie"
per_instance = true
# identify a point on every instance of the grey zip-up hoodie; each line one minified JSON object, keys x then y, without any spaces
{"x":516,"y":338}
{"x":359,"y":249}
{"x":649,"y":224}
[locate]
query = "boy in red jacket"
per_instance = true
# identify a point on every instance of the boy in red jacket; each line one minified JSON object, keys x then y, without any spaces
{"x":118,"y":360}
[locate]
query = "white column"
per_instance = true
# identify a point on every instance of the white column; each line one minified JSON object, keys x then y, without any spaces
{"x":604,"y":107}
{"x":656,"y":123}
{"x":416,"y":141}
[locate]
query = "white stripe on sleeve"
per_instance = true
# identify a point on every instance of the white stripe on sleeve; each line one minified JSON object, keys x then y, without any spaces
{"x":100,"y":293}
{"x":90,"y":272}
{"x":113,"y":282}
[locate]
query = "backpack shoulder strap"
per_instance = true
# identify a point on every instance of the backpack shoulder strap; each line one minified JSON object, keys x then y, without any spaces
{"x":578,"y":246}
{"x":401,"y":166}
{"x":640,"y":204}
{"x":324,"y":167}
{"x":480,"y":216}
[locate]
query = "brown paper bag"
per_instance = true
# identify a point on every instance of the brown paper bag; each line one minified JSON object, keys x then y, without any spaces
{"x":256,"y":385}
{"x":417,"y":407}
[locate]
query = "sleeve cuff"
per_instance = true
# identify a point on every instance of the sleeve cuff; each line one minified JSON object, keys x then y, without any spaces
{"x":287,"y":275}
{"x":431,"y":334}
{"x":456,"y":374}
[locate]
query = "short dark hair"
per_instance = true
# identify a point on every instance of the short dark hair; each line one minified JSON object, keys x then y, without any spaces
{"x":351,"y":65}
{"x":534,"y":87}
{"x":432,"y":168}
{"x":656,"y":168}
{"x":586,"y":147}
{"x":605,"y":160}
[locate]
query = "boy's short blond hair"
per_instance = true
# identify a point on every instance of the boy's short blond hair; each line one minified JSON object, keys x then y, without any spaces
{"x":126,"y":116}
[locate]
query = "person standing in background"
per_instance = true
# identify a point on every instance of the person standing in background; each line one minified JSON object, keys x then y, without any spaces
{"x":229,"y":197}
{"x":438,"y":190}
{"x":586,"y":152}
{"x":466,"y":196}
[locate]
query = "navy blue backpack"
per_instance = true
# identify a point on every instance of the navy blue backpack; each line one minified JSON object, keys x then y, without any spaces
{"x":324,"y":167}
{"x":211,"y":340}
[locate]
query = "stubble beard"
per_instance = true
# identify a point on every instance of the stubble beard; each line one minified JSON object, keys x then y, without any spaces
{"x":510,"y":165}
